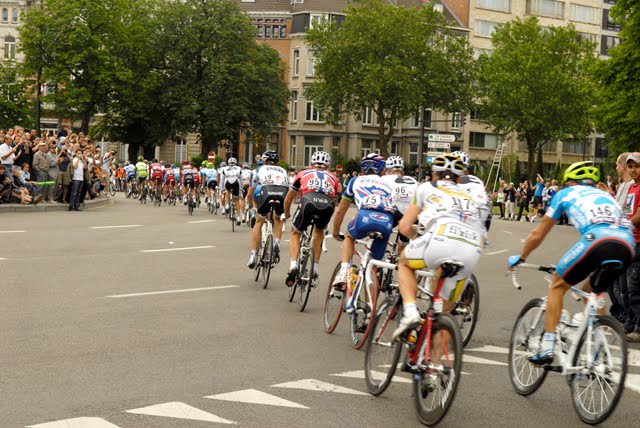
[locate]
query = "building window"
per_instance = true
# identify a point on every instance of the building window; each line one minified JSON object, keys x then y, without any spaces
{"x":456,"y":121}
{"x":551,"y":8}
{"x":335,"y":143}
{"x":608,"y":42}
{"x":296,"y":62}
{"x":294,"y":105}
{"x":413,"y":153}
{"x":607,"y":23}
{"x":588,"y":37}
{"x":270,"y":28}
{"x":395,"y":148}
{"x":602,"y":151}
{"x":367,"y":116}
{"x":292,"y":150}
{"x":501,"y":5}
{"x":10,"y":47}
{"x":580,"y":13}
{"x":311,"y":63}
{"x":15,"y":13}
{"x":180,"y":150}
{"x":314,"y":20}
{"x":579,"y":147}
{"x":312,"y":113}
{"x":5,"y":15}
{"x":483,"y":141}
{"x":311,"y":145}
{"x":366,"y":148}
{"x":415,"y":120}
{"x":485,"y":28}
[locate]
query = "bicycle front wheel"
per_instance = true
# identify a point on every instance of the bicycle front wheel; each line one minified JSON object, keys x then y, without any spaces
{"x":233,"y":219}
{"x":467,"y":308}
{"x":435,"y":388}
{"x":365,"y":307}
{"x":598,"y":386}
{"x":306,"y":278}
{"x":267,"y":260}
{"x":112,"y":189}
{"x":382,"y":352}
{"x":333,"y":303}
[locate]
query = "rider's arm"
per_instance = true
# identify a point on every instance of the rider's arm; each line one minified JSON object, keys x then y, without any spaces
{"x":339,"y":215}
{"x":536,"y":236}
{"x":250,"y":195}
{"x":288,"y":200}
{"x":409,"y":218}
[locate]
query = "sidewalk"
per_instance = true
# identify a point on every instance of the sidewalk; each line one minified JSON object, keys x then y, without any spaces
{"x":45,"y":207}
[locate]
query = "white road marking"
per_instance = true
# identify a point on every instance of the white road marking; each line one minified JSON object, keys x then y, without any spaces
{"x":256,"y":397}
{"x":179,"y":410}
{"x":116,"y":227}
{"x":522,"y":240}
{"x":177,"y":249}
{"x":496,"y":252}
{"x":402,"y":364}
{"x":494,"y":350}
{"x":1,"y":258}
{"x":633,"y":358}
{"x":316,"y":385}
{"x":12,"y":231}
{"x":506,"y":231}
{"x":472,"y":359}
{"x":171,"y":242}
{"x":200,"y":221}
{"x":632,"y":382}
{"x":359,"y":374}
{"x":76,"y":423}
{"x":184,"y":290}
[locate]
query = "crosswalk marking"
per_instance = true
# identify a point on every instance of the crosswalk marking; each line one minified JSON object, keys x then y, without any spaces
{"x":472,"y":359}
{"x":494,"y":350}
{"x":632,"y":382}
{"x":83,"y":422}
{"x":256,"y":397}
{"x":359,"y":374}
{"x":179,"y":410}
{"x":316,"y":385}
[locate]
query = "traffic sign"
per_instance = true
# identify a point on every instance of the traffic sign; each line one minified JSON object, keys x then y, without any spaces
{"x":444,"y":138}
{"x":339,"y":169}
{"x":429,"y":159}
{"x":211,"y":157}
{"x":433,"y":154}
{"x":438,"y":145}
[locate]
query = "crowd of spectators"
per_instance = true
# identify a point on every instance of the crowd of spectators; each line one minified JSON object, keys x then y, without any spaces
{"x":61,"y":168}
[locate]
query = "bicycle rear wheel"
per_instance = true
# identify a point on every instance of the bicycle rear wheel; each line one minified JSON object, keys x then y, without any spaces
{"x":597,"y":390}
{"x":435,"y":388}
{"x":467,"y":308}
{"x":382,"y":353}
{"x":306,"y":278}
{"x":232,"y":216}
{"x":112,"y":189}
{"x":267,"y":260}
{"x":333,"y":303}
{"x":365,"y":308}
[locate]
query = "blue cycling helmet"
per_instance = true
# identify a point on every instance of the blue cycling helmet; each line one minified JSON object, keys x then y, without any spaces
{"x":372,"y":163}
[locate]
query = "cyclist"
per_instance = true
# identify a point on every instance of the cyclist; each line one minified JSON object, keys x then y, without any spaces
{"x":157,"y":174}
{"x":187,"y":173}
{"x":607,"y":239}
{"x":196,"y":184}
{"x":246,"y":176}
{"x":130,"y":173}
{"x":475,"y":187}
{"x":230,"y":181}
{"x":169,"y":180}
{"x":373,"y":197}
{"x":274,"y":184}
{"x":210,"y":176}
{"x":451,"y":228}
{"x":142,"y":172}
{"x":403,"y":187}
{"x":317,"y":188}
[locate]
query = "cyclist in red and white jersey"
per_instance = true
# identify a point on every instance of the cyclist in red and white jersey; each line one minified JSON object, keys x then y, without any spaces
{"x":156,"y":174}
{"x":169,"y":179}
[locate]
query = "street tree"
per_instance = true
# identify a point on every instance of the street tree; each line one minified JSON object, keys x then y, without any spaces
{"x":618,"y":78}
{"x":392,"y":59}
{"x":535,"y":84}
{"x":15,"y":106}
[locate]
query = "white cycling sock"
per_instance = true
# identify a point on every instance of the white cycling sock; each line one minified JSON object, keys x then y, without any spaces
{"x":548,"y":341}
{"x":253,"y":253}
{"x":345,"y":266}
{"x":276,"y":241}
{"x":293,"y":264}
{"x":410,"y":309}
{"x":316,"y":266}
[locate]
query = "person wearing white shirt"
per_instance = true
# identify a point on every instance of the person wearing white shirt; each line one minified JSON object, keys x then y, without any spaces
{"x":8,"y":154}
{"x":77,"y":179}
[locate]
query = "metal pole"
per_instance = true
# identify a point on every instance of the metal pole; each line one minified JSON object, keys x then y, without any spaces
{"x":39,"y":78}
{"x":421,"y":145}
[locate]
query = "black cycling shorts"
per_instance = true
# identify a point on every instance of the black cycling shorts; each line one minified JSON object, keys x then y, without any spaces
{"x":233,"y":188}
{"x":313,"y":206}
{"x":591,"y":264}
{"x":268,"y":194}
{"x":188,"y":180}
{"x":213,"y":185}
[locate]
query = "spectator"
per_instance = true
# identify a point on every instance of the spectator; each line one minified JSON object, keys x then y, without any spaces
{"x":500,"y":198}
{"x":20,"y":192}
{"x":64,"y":179}
{"x":5,"y":186}
{"x":526,"y":193}
{"x":510,"y":198}
{"x":8,"y":153}
{"x":25,"y":178}
{"x":54,"y":172}
{"x":537,"y":194}
{"x":77,"y":180}
{"x":63,"y":132}
{"x":41,"y":167}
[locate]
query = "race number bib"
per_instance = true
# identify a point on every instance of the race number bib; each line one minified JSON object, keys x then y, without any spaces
{"x":372,"y":202}
{"x":460,"y":232}
{"x":601,"y":214}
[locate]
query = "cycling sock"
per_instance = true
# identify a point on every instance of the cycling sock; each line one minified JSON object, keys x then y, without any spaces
{"x":293,"y":264}
{"x":410,"y":309}
{"x":253,"y":253}
{"x":345,"y":266}
{"x":548,"y":340}
{"x":316,"y":266}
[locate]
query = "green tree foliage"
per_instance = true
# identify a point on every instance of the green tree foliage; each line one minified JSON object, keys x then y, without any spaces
{"x":535,"y":84}
{"x":393,"y":59}
{"x":15,"y":107}
{"x":618,"y":111}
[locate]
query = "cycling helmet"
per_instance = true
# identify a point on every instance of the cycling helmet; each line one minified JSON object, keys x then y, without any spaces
{"x":246,"y":165}
{"x":185,"y":162}
{"x":321,"y":159}
{"x":173,"y":165}
{"x":127,"y":163}
{"x":582,"y":172}
{"x":463,"y":157}
{"x":233,"y":162}
{"x":154,"y":160}
{"x":395,"y":163}
{"x":270,"y":156}
{"x":140,"y":159}
{"x":372,"y":163}
{"x":448,"y":162}
{"x":223,"y":164}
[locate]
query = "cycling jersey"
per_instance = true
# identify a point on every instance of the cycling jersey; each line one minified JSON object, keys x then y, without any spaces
{"x":246,"y":177}
{"x":196,"y":176}
{"x":231,"y":174}
{"x":315,"y":181}
{"x":475,"y":188}
{"x":270,"y":175}
{"x":142,"y":170}
{"x":157,"y":171}
{"x":370,"y":192}
{"x":187,"y":172}
{"x":446,"y":199}
{"x":209,"y":174}
{"x":169,"y":175}
{"x":403,"y":190}
{"x":130,"y":171}
{"x":176,"y":172}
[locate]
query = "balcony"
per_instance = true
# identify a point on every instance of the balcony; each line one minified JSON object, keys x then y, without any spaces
{"x":548,"y":8}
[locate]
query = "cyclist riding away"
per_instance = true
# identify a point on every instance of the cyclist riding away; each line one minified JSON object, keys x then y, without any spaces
{"x":403,"y":187}
{"x":317,"y":189}
{"x":169,"y":180}
{"x":246,"y":176}
{"x":130,"y":173}
{"x":604,"y":251}
{"x":451,"y":229}
{"x":230,"y":181}
{"x":475,"y":187}
{"x":142,"y":171}
{"x":157,"y":174}
{"x":274,"y":184}
{"x":187,"y":173}
{"x":210,"y":176}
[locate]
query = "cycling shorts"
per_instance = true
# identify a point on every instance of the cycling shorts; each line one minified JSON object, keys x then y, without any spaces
{"x":368,"y":221}
{"x":268,"y":194}
{"x":313,"y":206}
{"x":142,"y":179}
{"x":447,"y":239}
{"x":213,"y":184}
{"x":170,"y":179}
{"x":155,"y":177}
{"x":597,"y":248}
{"x":188,"y":181}
{"x":130,"y":177}
{"x":233,"y":188}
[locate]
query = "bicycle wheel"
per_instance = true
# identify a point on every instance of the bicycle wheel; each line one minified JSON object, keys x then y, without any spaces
{"x":435,"y":388}
{"x":598,"y":388}
{"x":258,"y":267}
{"x":467,"y":308}
{"x":301,"y":261}
{"x":333,"y":303}
{"x":382,"y":353}
{"x":267,"y":260}
{"x":526,"y":339}
{"x":365,"y":308}
{"x":232,"y":216}
{"x":306,"y":278}
{"x":112,"y":189}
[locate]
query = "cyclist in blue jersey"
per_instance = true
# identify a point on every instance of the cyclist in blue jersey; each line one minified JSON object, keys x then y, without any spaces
{"x":374,"y":198}
{"x":603,"y":253}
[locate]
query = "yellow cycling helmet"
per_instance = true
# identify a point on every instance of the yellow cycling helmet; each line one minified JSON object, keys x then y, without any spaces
{"x":581,"y":171}
{"x":448,"y":162}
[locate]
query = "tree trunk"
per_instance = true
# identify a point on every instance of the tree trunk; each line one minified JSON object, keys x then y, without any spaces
{"x":531,"y":153}
{"x":133,"y":152}
{"x":86,"y":118}
{"x":382,"y":141}
{"x":539,"y":164}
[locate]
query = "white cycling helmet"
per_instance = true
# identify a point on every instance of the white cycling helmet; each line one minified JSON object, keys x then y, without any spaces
{"x":321,"y":159}
{"x":448,"y":162}
{"x":233,"y":162}
{"x":463,"y":157}
{"x":395,"y":163}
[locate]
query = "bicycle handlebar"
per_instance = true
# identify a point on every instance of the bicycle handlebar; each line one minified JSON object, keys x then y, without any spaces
{"x":514,"y":272}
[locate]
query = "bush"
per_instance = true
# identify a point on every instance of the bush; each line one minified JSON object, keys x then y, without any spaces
{"x":284,"y":165}
{"x":196,"y":161}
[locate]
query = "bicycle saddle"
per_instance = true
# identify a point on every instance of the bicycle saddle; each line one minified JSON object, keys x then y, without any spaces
{"x":375,"y":235}
{"x":450,"y":268}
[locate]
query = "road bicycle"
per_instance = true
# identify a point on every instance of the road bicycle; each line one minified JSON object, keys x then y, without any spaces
{"x":112,"y":188}
{"x":171,"y":196}
{"x":590,"y":351}
{"x":144,"y":193}
{"x":434,"y":355}
{"x":233,"y":214}
{"x":306,"y":278}
{"x":191,"y":201}
{"x":212,"y":203}
{"x":357,"y":298}
{"x":156,"y":194}
{"x":267,"y":258}
{"x":135,"y":191}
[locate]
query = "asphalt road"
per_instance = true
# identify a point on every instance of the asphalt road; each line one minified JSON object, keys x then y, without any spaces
{"x":75,"y":352}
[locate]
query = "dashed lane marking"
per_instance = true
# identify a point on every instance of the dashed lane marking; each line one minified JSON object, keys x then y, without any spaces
{"x":472,"y":359}
{"x":200,"y":221}
{"x":254,"y":396}
{"x":632,"y":382}
{"x":496,"y":252}
{"x":359,"y":374}
{"x":316,"y":385}
{"x":179,"y":410}
{"x":177,"y":249}
{"x":184,"y":290}
{"x":116,"y":227}
{"x":13,"y":231}
{"x":76,"y":423}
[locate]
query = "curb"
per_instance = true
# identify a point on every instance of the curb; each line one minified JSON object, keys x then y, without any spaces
{"x":44,"y":207}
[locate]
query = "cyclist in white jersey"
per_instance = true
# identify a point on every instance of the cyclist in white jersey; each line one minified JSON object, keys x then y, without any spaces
{"x":403,"y":187}
{"x":210,"y":179}
{"x":274,"y":185}
{"x":476,"y":188}
{"x":245,"y":177}
{"x":230,"y":181}
{"x":450,"y":229}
